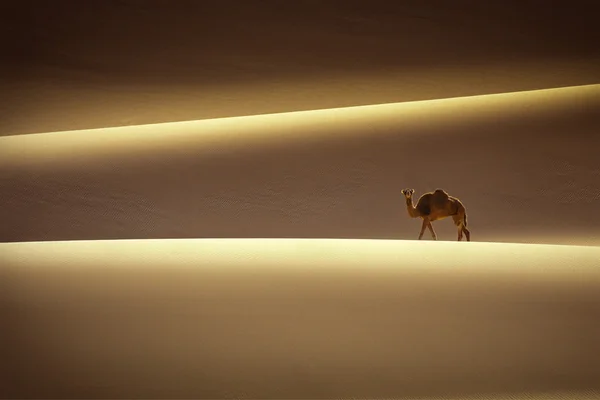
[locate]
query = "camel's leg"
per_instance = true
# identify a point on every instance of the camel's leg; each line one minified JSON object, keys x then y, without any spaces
{"x":423,"y":228}
{"x":458,"y":222}
{"x":433,"y":235}
{"x":467,"y":233}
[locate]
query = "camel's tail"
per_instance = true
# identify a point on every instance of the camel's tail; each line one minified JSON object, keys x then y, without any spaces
{"x":465,"y":219}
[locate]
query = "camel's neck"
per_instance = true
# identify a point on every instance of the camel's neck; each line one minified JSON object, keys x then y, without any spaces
{"x":412,"y":212}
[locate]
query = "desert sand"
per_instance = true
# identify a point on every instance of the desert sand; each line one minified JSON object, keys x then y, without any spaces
{"x":525,"y":165}
{"x":110,"y":290}
{"x":300,"y":318}
{"x":201,"y":199}
{"x":75,"y":65}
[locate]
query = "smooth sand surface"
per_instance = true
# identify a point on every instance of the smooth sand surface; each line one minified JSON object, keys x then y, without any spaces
{"x":294,"y":318}
{"x":69,"y":64}
{"x":525,"y":165}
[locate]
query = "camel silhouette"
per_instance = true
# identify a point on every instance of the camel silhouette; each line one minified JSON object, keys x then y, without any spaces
{"x":436,"y":205}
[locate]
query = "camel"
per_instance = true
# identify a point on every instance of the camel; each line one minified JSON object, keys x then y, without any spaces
{"x":434,"y":206}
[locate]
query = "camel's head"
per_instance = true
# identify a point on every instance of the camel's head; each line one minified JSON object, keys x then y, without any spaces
{"x":408,"y":193}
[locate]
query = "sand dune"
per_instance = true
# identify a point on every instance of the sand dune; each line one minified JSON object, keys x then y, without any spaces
{"x":74,"y":65}
{"x":525,"y":165}
{"x":292,"y":318}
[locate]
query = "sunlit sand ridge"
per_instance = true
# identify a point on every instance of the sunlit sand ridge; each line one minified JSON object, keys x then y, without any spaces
{"x":208,"y":59}
{"x":282,"y":318}
{"x":524,"y":164}
{"x":331,"y":123}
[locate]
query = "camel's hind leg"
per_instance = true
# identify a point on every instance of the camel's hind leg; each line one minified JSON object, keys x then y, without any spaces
{"x":467,"y":232}
{"x":462,"y":229}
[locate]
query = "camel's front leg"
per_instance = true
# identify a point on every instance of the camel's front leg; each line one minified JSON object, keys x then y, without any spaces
{"x":433,"y":235}
{"x":425,"y":223}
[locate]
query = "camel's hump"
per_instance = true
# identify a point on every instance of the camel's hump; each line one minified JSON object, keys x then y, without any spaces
{"x":440,"y":194}
{"x":439,"y":198}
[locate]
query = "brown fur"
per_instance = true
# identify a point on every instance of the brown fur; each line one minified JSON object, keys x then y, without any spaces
{"x":436,"y":205}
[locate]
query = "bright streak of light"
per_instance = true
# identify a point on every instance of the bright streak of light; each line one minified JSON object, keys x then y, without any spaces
{"x":266,"y":129}
{"x":539,"y":261}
